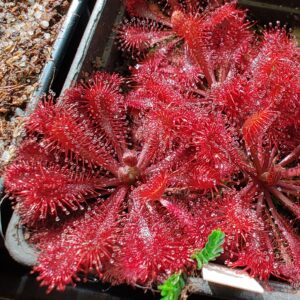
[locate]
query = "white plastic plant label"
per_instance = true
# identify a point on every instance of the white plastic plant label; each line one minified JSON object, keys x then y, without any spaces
{"x":230,"y":277}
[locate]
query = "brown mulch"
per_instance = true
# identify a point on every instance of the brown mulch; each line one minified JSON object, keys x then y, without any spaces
{"x":28,"y":30}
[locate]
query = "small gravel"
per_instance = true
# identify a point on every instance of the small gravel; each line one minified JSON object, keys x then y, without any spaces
{"x":27,"y":32}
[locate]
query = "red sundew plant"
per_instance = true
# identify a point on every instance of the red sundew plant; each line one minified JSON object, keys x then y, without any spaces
{"x":269,"y":127}
{"x":91,"y":176}
{"x":215,"y":38}
{"x":126,"y":186}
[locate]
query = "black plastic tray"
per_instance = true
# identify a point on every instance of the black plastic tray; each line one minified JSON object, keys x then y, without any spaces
{"x":98,"y":41}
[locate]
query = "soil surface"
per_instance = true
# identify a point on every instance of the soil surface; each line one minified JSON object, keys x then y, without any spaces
{"x":28,"y":30}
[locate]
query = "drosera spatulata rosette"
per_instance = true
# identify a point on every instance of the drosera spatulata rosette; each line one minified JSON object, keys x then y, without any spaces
{"x":91,"y":175}
{"x":126,"y":185}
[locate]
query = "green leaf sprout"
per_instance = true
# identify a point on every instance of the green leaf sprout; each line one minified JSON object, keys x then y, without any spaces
{"x":172,"y":287}
{"x":212,"y":249}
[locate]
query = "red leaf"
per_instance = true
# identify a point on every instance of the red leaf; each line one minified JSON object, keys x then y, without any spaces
{"x":157,"y":250}
{"x":106,"y":106}
{"x":233,"y":96}
{"x":193,"y":225}
{"x":80,"y":246}
{"x":202,"y":177}
{"x":141,"y":35}
{"x":42,"y":189}
{"x":152,"y":190}
{"x":256,"y":126}
{"x":232,"y":213}
{"x":257,"y":257}
{"x":64,"y":130}
{"x":275,"y":84}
